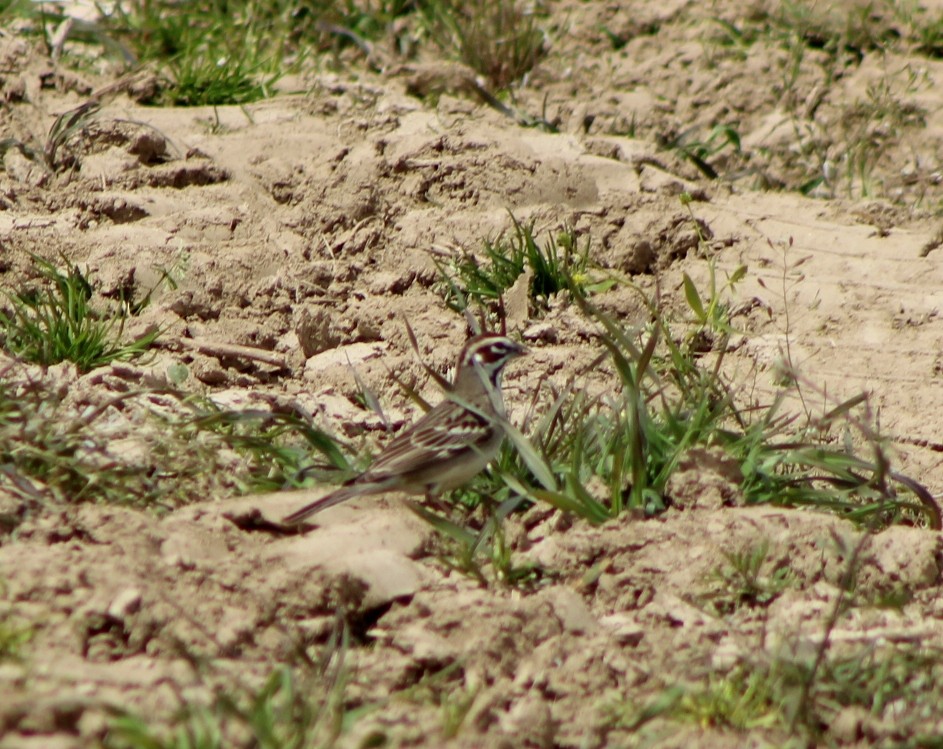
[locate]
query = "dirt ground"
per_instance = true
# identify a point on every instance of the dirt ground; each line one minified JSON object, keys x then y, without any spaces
{"x":307,"y":226}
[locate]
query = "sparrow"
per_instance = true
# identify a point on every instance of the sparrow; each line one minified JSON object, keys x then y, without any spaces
{"x":451,"y":444}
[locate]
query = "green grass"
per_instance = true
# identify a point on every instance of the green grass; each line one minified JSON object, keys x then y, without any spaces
{"x":841,"y":145}
{"x":56,"y":320}
{"x":277,"y":449}
{"x":52,"y":454}
{"x":296,"y":706}
{"x":474,"y":540}
{"x":851,"y":31}
{"x":798,"y":694}
{"x":556,"y":265}
{"x":895,"y":686}
{"x":287,"y":712}
{"x":498,"y":39}
{"x":219,"y":52}
{"x":214,"y":51}
{"x":703,"y":151}
{"x":664,"y":403}
{"x":49,"y":453}
{"x":745,"y":580}
{"x":14,"y":636}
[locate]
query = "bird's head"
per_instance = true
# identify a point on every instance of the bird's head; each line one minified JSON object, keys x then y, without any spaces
{"x":488,"y":353}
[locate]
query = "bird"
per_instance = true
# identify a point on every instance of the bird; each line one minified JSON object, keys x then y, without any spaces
{"x":451,"y":444}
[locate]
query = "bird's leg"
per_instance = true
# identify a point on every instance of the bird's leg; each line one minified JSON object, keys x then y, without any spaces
{"x":435,"y":501}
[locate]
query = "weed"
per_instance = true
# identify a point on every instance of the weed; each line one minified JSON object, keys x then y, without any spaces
{"x":13,"y":637}
{"x":469,"y":545}
{"x":632,"y":441}
{"x":800,"y":692}
{"x":71,"y":125}
{"x":743,"y":581}
{"x":712,"y":313}
{"x":734,"y":39}
{"x":57,"y":322}
{"x":276,"y":447}
{"x":14,"y":7}
{"x":287,"y":711}
{"x":744,"y":699}
{"x":357,"y":23}
{"x":869,"y":125}
{"x":50,"y":454}
{"x":837,"y":146}
{"x":64,"y":127}
{"x":496,"y":38}
{"x":699,"y":152}
{"x":217,"y":52}
{"x":881,"y":681}
{"x":925,"y":27}
{"x":557,"y":265}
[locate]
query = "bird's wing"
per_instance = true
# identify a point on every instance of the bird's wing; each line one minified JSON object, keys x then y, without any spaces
{"x":442,"y":433}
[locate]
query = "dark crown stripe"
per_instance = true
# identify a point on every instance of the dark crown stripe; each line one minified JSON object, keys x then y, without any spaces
{"x":491,"y":352}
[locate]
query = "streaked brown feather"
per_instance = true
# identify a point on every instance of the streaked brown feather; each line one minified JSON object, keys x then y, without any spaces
{"x":429,"y":439}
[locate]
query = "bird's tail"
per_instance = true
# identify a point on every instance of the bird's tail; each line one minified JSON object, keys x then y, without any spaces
{"x":328,"y":500}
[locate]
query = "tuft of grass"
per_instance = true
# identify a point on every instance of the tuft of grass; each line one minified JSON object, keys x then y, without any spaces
{"x":925,"y":27}
{"x":889,"y":689}
{"x":746,"y":580}
{"x":496,"y":38}
{"x":895,"y":686}
{"x":869,"y":126}
{"x":599,"y":454}
{"x":448,"y":689}
{"x":557,"y":265}
{"x":701,"y":152}
{"x":14,"y":636}
{"x":51,"y":454}
{"x":276,"y":448}
{"x":480,"y":549}
{"x":744,"y":700}
{"x":216,"y":52}
{"x":287,"y":712}
{"x":56,"y":321}
{"x":663,"y":403}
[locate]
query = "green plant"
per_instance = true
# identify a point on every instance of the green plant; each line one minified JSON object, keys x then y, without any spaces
{"x":711,"y":325}
{"x":745,"y":580}
{"x":557,"y":265}
{"x":894,"y":685}
{"x":700,"y":152}
{"x":663,"y":404}
{"x":287,"y":712}
{"x":14,"y":7}
{"x":448,"y":688}
{"x":57,"y":322}
{"x":924,"y":26}
{"x":799,"y":692}
{"x":358,"y":21}
{"x":14,"y":636}
{"x":869,"y":125}
{"x":469,"y":544}
{"x":276,"y":447}
{"x":743,"y":699}
{"x":217,"y":52}
{"x":496,"y":38}
{"x":51,"y":454}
